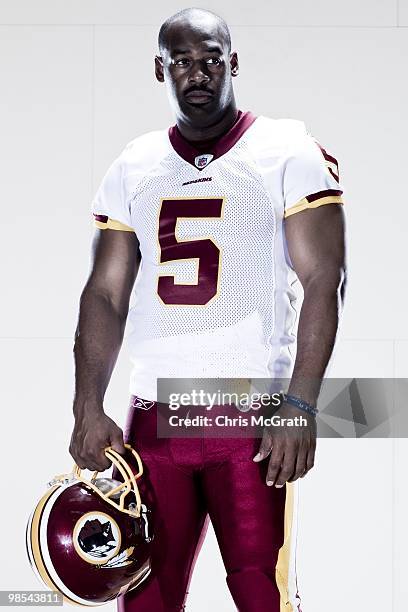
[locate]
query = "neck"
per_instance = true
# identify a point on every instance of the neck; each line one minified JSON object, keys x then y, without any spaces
{"x":221,"y":126}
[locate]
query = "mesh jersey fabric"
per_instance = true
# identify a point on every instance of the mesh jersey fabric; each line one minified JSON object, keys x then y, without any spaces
{"x":229,"y":301}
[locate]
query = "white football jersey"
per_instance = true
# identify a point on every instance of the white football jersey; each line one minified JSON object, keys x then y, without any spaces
{"x":216,"y":294}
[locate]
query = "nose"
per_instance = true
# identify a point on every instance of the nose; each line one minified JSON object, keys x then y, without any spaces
{"x":198,"y":72}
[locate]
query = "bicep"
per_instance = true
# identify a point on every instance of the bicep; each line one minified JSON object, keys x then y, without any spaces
{"x":316,"y":243}
{"x":114,"y":265}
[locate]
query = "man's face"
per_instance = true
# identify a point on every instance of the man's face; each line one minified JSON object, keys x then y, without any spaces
{"x":197,"y":69}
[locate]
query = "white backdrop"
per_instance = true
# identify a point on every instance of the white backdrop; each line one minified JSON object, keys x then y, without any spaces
{"x":77,"y":84}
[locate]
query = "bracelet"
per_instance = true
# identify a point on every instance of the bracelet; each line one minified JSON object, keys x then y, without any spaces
{"x":301,"y":404}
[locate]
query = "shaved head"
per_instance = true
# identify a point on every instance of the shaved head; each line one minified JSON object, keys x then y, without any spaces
{"x":194,"y":18}
{"x":196,"y":64}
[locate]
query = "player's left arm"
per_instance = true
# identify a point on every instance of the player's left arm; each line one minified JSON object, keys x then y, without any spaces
{"x":316,"y":245}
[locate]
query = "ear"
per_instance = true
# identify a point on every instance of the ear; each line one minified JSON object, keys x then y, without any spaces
{"x":234,"y":64}
{"x":158,"y":68}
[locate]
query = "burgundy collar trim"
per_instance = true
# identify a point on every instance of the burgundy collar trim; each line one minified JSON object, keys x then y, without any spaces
{"x":189,"y":153}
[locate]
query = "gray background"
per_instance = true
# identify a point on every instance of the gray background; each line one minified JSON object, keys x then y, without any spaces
{"x":76,"y":85}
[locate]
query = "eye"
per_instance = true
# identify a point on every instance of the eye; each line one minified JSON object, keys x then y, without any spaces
{"x":214,"y":61}
{"x":183,"y":61}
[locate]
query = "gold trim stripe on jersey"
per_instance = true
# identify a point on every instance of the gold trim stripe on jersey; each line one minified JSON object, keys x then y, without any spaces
{"x":304,"y":203}
{"x":113,"y":225}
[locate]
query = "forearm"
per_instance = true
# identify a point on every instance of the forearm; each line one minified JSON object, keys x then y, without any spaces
{"x":98,"y":339}
{"x":318,"y":325}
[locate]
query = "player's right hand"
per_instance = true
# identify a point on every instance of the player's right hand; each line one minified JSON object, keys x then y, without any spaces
{"x":93,"y":432}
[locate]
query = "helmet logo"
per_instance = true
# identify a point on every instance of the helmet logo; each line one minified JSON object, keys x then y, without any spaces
{"x":96,"y":537}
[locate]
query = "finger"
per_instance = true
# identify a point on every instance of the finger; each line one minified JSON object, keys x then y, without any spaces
{"x":77,"y":456}
{"x":81,"y":463}
{"x":74,"y":449}
{"x":310,"y":460}
{"x":287,"y":468}
{"x":265,"y":446}
{"x":300,"y":464}
{"x":92,"y":465}
{"x":97,"y":463}
{"x":117,"y":441}
{"x":275,"y":462}
{"x":95,"y":458}
{"x":74,"y":454}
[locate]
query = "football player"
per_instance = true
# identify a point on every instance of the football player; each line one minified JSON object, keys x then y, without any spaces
{"x":217,"y":219}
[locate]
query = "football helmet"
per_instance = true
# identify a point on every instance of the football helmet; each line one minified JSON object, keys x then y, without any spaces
{"x":89,"y":539}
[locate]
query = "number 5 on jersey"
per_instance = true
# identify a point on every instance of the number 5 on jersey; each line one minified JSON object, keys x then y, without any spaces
{"x":202,"y":249}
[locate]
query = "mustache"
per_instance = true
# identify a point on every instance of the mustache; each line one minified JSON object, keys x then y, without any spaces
{"x":196,"y":88}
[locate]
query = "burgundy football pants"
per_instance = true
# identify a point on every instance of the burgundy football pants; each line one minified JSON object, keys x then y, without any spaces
{"x":188,"y":481}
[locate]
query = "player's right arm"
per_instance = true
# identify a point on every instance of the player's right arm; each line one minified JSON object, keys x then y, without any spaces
{"x":104,"y":305}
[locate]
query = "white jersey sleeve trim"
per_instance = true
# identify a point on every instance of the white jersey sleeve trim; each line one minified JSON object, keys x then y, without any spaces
{"x":310,"y":177}
{"x":109,"y":202}
{"x":111,"y":205}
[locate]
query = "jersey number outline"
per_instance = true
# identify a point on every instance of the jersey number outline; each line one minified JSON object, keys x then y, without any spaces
{"x":202,"y":249}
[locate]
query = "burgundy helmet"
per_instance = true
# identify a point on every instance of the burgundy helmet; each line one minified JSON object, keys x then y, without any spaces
{"x":89,"y":539}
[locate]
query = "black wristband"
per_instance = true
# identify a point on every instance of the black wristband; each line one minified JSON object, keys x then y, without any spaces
{"x":301,"y":404}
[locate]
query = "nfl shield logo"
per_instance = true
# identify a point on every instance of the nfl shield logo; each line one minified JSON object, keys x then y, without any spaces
{"x":201,"y":161}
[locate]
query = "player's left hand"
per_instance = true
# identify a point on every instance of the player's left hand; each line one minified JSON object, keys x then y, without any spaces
{"x":291,"y":448}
